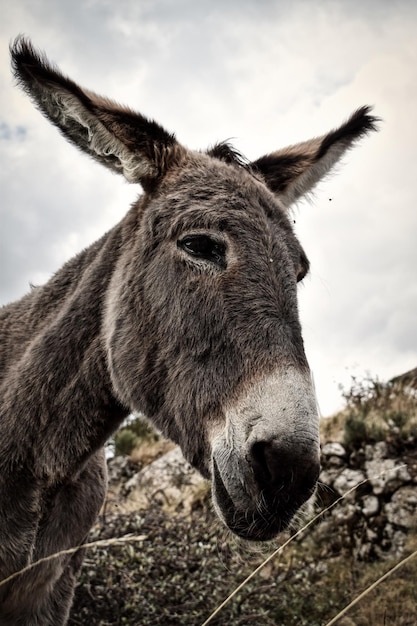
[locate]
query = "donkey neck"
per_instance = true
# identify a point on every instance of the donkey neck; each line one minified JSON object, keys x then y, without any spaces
{"x":58,"y":399}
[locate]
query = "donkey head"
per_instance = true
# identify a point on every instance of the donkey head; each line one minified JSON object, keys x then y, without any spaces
{"x":200,"y":322}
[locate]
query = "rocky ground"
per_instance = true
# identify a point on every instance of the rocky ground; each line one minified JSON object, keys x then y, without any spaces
{"x":375,"y":519}
{"x":181,"y":563}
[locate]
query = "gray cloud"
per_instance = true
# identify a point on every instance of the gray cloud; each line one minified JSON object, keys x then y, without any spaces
{"x":268,"y":73}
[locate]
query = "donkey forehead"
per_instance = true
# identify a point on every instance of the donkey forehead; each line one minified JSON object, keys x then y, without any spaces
{"x":208,"y":193}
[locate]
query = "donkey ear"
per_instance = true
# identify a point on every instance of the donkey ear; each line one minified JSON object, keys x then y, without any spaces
{"x":122,"y":140}
{"x":294,"y":171}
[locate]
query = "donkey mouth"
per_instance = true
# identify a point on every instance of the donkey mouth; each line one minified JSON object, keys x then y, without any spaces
{"x":262,"y":520}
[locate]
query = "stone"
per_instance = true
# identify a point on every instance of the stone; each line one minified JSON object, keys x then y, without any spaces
{"x":370,"y":506}
{"x":378,"y":514}
{"x":328,"y":476}
{"x":335,"y":461}
{"x":343,"y":514}
{"x":119,"y":468}
{"x":386,"y":475}
{"x":377,"y":451}
{"x":333,"y":449}
{"x":399,"y":540}
{"x":371,"y":535}
{"x":348,"y":479}
{"x":402,"y":509}
{"x":170,"y":481}
{"x":392,"y":544}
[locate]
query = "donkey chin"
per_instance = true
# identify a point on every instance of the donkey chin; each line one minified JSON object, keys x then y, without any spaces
{"x":266,"y":462}
{"x":262,"y":516}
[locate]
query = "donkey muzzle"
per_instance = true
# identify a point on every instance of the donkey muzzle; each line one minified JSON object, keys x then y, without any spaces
{"x":263,"y":505}
{"x":266,"y":462}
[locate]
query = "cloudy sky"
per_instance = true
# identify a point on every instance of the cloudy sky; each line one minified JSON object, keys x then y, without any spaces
{"x":266,"y":73}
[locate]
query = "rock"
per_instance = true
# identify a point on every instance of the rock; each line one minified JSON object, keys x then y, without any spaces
{"x":398,"y":543}
{"x":344,"y":513}
{"x":402,"y":509}
{"x":333,"y":454}
{"x":378,"y":451}
{"x":392,"y":544}
{"x":119,"y":468}
{"x":348,"y":479}
{"x":370,"y":506}
{"x":333,"y":449}
{"x":170,"y":481}
{"x":371,"y":535}
{"x":375,"y":518}
{"x":386,"y":475}
{"x":328,"y":476}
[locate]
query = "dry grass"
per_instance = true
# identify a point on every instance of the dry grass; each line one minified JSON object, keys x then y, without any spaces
{"x":183,"y":569}
{"x":374,"y":411}
{"x":331,"y":428}
{"x":145,"y":452}
{"x":185,"y":566}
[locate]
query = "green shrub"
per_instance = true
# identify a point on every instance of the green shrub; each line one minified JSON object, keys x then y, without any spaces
{"x":124,"y":441}
{"x":379,"y":411}
{"x":142,"y":429}
{"x":355,"y":431}
{"x":132,"y":434}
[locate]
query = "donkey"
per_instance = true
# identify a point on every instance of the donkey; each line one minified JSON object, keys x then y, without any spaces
{"x":185,"y":311}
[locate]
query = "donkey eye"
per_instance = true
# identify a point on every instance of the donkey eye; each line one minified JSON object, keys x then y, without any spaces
{"x":303,"y":267}
{"x":204,"y":247}
{"x":300,"y":274}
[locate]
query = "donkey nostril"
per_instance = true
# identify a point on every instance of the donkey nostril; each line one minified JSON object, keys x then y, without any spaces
{"x":262,"y":461}
{"x":284,"y":469}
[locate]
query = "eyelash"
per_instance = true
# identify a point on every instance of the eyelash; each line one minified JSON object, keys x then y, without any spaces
{"x":204,"y":247}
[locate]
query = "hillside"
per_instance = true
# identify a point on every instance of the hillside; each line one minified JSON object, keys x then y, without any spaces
{"x":182,"y":563}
